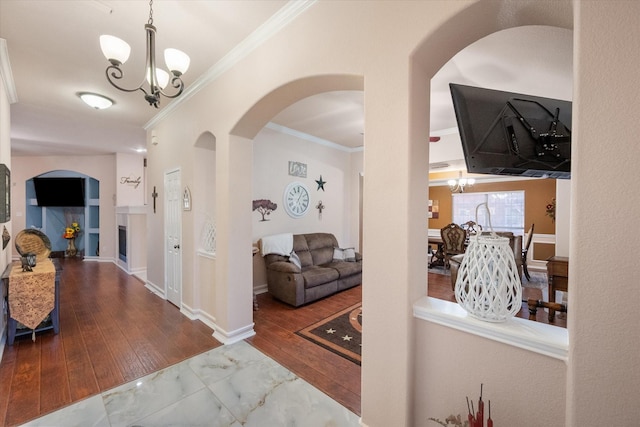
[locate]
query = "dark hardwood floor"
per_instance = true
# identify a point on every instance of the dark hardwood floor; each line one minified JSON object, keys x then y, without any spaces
{"x":113,"y":330}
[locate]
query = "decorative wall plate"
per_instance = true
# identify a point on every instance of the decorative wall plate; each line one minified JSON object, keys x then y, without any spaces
{"x":34,"y":241}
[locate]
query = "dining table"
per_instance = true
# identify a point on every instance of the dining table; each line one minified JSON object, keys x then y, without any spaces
{"x":437,"y":256}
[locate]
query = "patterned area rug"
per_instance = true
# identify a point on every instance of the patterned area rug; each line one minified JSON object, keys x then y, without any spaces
{"x":340,"y":333}
{"x":538,"y":280}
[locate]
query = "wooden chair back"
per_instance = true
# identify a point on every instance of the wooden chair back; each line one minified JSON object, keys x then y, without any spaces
{"x":453,"y":239}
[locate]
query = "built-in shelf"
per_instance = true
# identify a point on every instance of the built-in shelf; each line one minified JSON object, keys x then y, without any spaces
{"x":51,"y":220}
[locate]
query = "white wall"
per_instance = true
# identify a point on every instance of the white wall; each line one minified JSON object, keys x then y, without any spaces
{"x":272,"y":151}
{"x":601,"y":382}
{"x":394,"y":48}
{"x":5,"y":157}
{"x":102,"y":168}
{"x":130,"y":175}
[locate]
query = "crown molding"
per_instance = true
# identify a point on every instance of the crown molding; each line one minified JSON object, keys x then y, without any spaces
{"x":305,"y":136}
{"x":6,"y":74}
{"x":279,"y":20}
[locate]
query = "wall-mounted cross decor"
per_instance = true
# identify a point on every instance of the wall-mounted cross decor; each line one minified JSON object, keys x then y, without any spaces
{"x":154,"y":195}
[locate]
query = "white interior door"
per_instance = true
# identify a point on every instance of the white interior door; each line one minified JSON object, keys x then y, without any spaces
{"x":173,"y":237}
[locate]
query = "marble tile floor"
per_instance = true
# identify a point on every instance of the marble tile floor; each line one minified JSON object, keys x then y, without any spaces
{"x":234,"y":385}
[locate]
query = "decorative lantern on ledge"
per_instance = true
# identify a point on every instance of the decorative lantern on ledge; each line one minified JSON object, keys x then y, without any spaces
{"x":488,"y":286}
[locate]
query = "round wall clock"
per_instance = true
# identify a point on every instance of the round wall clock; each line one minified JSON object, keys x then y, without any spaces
{"x":296,"y":199}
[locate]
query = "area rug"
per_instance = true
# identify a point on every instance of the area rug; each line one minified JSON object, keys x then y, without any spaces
{"x":340,"y":333}
{"x":538,"y":280}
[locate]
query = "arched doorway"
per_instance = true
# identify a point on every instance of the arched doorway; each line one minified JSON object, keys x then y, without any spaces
{"x":57,"y":199}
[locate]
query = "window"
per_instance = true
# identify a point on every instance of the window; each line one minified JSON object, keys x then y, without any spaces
{"x":506,"y":208}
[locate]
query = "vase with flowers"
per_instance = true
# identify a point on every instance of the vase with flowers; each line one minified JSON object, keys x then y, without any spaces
{"x":70,"y":233}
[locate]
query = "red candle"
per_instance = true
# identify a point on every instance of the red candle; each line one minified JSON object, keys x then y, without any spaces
{"x":480,"y":410}
{"x":472,"y":421}
{"x":489,"y":420}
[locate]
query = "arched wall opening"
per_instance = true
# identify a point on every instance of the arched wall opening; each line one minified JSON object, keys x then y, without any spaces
{"x":258,"y":116}
{"x":271,"y":104}
{"x":431,"y":362}
{"x":52,"y":217}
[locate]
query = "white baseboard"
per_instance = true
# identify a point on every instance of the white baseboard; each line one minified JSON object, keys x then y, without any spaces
{"x":260,"y":289}
{"x":197,"y":314}
{"x":155,"y":289}
{"x":232,"y":337}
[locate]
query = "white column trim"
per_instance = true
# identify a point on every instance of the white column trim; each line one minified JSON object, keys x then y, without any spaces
{"x":6,"y":74}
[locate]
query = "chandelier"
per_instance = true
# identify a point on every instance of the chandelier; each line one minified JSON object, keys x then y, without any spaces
{"x":117,"y":52}
{"x":458,"y":185}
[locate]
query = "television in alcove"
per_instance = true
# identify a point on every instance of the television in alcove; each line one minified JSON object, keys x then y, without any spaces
{"x":59,"y":191}
{"x":505,"y":133}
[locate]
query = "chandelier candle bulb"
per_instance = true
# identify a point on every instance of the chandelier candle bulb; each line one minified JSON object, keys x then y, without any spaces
{"x":177,"y":61}
{"x":116,"y":50}
{"x":162,"y":77}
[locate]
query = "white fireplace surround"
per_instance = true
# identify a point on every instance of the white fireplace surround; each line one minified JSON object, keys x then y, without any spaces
{"x":134,"y":219}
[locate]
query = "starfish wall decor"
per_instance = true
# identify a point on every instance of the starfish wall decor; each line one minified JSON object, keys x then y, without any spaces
{"x":320,"y":183}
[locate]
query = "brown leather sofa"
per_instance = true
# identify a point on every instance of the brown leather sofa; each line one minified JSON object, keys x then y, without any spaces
{"x":514,"y":241}
{"x":319,"y":274}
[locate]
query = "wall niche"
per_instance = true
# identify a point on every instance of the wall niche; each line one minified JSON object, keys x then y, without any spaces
{"x":46,"y":211}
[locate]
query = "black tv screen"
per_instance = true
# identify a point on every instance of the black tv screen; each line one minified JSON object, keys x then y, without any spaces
{"x":59,"y":191}
{"x":504,"y":133}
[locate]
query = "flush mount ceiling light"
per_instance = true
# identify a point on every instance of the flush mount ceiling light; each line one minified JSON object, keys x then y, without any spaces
{"x":117,"y":52}
{"x":96,"y":101}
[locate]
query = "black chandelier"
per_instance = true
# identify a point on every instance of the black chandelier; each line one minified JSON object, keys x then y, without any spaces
{"x":117,"y":52}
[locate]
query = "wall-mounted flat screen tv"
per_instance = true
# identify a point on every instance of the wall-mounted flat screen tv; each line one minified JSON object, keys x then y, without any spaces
{"x":506,"y":133}
{"x":61,"y":192}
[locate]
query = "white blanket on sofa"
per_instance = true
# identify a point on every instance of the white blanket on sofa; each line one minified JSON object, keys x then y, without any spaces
{"x":280,"y":244}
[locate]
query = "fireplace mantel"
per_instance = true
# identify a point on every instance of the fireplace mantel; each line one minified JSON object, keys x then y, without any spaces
{"x":132,"y":210}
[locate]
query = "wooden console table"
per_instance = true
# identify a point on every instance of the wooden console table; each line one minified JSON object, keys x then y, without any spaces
{"x":558,"y":274}
{"x":54,"y":319}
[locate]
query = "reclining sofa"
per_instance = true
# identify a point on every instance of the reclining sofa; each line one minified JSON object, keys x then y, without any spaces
{"x":315,"y":269}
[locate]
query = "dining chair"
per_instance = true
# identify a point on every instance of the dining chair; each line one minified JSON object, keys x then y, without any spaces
{"x":525,"y":250}
{"x":453,"y":241}
{"x":471,"y":228}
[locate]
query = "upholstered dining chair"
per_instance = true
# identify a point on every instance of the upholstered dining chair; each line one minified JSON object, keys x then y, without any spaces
{"x":525,"y":250}
{"x":471,"y":228}
{"x":453,"y":241}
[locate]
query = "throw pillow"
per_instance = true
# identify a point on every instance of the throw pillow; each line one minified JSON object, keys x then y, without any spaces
{"x":350,"y":255}
{"x":295,"y":259}
{"x":338,"y":254}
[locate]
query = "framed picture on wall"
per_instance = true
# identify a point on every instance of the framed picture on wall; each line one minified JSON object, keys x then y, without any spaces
{"x":298,"y":169}
{"x":186,"y":199}
{"x":434,"y":209}
{"x":5,"y":190}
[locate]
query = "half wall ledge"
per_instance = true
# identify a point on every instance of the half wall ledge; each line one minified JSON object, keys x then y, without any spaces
{"x":548,"y":340}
